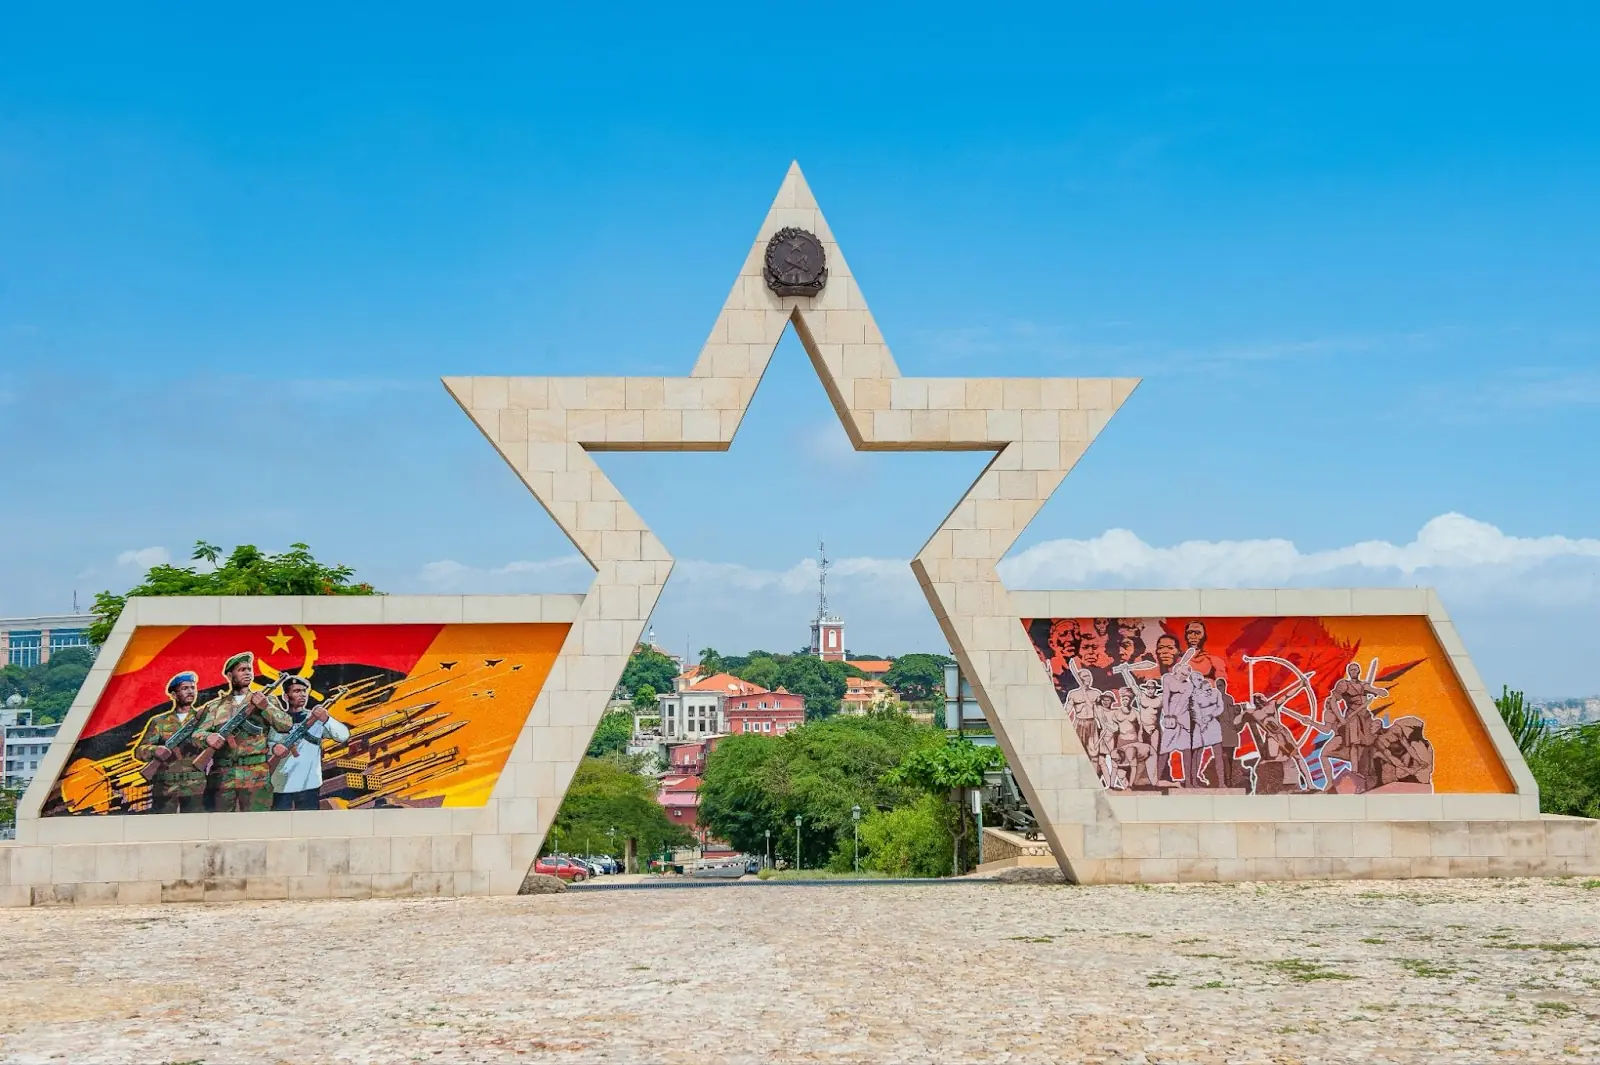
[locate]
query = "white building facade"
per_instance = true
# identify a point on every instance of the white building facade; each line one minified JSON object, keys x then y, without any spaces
{"x":28,"y":642}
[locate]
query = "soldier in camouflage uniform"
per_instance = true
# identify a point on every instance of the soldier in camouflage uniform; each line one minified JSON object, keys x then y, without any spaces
{"x":239,"y":778}
{"x":178,"y":787}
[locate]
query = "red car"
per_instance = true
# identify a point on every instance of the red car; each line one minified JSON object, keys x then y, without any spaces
{"x":565,"y":868}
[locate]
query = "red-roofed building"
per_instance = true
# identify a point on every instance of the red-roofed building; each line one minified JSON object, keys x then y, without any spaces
{"x":873,"y":667}
{"x":862,"y":695}
{"x":725,"y":684}
{"x":679,"y":796}
{"x":766,"y":712}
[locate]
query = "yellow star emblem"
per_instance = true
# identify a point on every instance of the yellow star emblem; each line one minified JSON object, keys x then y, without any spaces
{"x":280,"y":642}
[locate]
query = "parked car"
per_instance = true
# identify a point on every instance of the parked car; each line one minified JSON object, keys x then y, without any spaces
{"x":565,"y":868}
{"x":608,"y":864}
{"x":593,"y":863}
{"x":752,"y":867}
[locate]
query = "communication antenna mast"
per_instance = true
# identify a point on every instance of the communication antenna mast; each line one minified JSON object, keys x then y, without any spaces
{"x":822,"y":581}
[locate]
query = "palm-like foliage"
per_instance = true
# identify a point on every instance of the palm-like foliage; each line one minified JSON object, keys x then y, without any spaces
{"x":1527,"y":727}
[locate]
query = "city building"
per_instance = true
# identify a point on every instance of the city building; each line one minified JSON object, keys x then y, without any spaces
{"x":689,"y":714}
{"x":862,"y":694}
{"x":679,"y":796}
{"x":699,"y":707}
{"x":771,"y":713}
{"x":31,"y":641}
{"x":22,"y":744}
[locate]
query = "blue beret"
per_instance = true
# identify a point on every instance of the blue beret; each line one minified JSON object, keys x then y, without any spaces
{"x":188,"y":675}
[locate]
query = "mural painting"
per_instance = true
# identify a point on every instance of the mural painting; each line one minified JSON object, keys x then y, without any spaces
{"x":296,"y":717}
{"x":1268,"y":706}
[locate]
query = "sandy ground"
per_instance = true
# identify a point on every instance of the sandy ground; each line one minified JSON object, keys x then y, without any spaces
{"x":1435,"y":971}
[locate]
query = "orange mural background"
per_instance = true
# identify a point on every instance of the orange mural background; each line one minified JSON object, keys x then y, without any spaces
{"x":1468,"y":761}
{"x":437,"y":707}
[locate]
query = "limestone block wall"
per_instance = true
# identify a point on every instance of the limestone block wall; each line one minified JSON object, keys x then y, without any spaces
{"x":139,"y":858}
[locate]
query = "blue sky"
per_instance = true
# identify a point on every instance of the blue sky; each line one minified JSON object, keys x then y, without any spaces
{"x":1353,"y":256}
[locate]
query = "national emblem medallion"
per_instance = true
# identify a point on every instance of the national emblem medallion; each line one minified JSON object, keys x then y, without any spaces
{"x":796,"y":265}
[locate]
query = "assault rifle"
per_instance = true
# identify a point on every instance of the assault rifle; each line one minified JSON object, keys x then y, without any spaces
{"x":292,"y":738}
{"x":174,"y":743}
{"x":236,"y":721}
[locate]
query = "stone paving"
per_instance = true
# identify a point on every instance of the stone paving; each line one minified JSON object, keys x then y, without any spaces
{"x":1421,"y":971}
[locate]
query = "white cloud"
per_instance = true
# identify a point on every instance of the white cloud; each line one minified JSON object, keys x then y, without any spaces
{"x":1526,"y":605}
{"x":144,"y":557}
{"x":1449,"y":546}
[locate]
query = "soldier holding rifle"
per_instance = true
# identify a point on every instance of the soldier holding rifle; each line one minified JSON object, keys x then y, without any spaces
{"x":297,"y":775}
{"x":168,"y":745}
{"x":236,"y":725}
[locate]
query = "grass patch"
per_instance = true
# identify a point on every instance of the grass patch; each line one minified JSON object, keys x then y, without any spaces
{"x":1591,"y":884}
{"x":1032,"y":939}
{"x":1209,"y":985}
{"x":1374,"y":940}
{"x":1304,"y":972}
{"x":1560,"y":1009}
{"x":1554,"y":948}
{"x":1423,"y":967}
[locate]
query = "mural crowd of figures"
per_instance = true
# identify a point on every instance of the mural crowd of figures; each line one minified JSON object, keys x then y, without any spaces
{"x":1270,"y":706}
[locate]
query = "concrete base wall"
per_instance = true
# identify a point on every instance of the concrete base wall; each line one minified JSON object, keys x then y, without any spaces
{"x":230,"y":870}
{"x":1188,"y":851}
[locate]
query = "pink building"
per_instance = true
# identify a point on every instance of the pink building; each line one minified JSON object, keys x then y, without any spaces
{"x":766,"y":712}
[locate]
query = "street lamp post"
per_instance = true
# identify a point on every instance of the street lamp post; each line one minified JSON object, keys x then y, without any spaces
{"x":797,"y":842}
{"x":611,"y":841}
{"x":855,"y":826}
{"x":769,"y":848}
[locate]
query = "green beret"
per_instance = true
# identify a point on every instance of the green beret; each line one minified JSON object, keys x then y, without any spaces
{"x":238,"y":660}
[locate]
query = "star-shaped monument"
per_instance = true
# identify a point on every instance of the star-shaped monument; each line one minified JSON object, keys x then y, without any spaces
{"x":1038,"y":428}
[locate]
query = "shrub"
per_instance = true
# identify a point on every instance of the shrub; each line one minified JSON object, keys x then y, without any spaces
{"x":912,"y":840}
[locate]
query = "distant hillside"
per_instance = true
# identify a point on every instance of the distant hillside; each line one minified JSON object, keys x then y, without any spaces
{"x":1562,"y":712}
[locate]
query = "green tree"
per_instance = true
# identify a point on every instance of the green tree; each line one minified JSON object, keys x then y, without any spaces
{"x":8,"y":807}
{"x":612,"y":734}
{"x":948,"y":769}
{"x":736,"y":802}
{"x":914,"y":840}
{"x":1527,"y":727}
{"x":49,"y":687}
{"x":644,"y":698}
{"x":1566,"y":764}
{"x":711,"y":663}
{"x":753,"y":784}
{"x":649,"y":667}
{"x":917,"y":677}
{"x":761,"y":670}
{"x":604,"y":795}
{"x":247,"y":571}
{"x":821,"y":684}
{"x":1564,"y":761}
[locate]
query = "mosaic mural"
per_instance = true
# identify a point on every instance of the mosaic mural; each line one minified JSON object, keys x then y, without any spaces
{"x":295,"y":717}
{"x":1267,"y":706}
